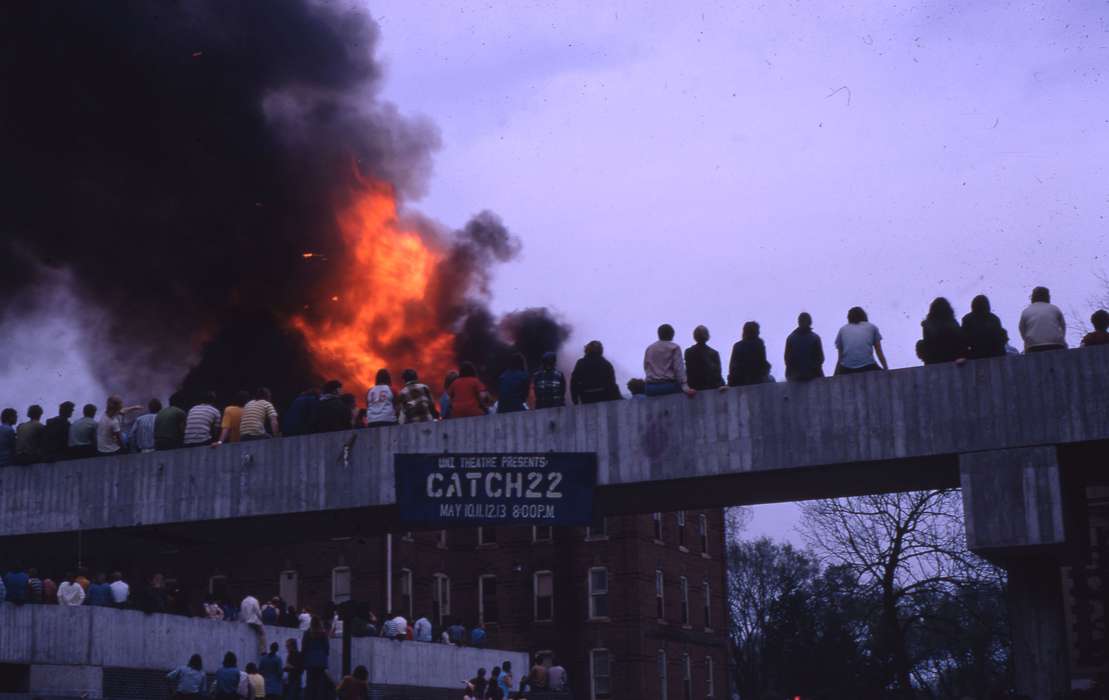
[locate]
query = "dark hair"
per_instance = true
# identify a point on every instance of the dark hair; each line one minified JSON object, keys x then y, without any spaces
{"x":178,"y":400}
{"x":980,"y":304}
{"x":251,"y":668}
{"x":274,"y":647}
{"x":332,"y":386}
{"x":518,"y":361}
{"x":496,"y":671}
{"x":637,"y":386}
{"x":940,"y":310}
{"x":1041,"y":294}
{"x":361,"y":673}
{"x":154,"y":405}
{"x":701,"y":334}
{"x":262,"y":393}
{"x":229,"y":660}
{"x":467,"y":369}
{"x":666,"y":332}
{"x":8,"y":416}
{"x":34,"y":411}
{"x":65,"y":408}
{"x":594,"y":347}
{"x":241,"y":397}
{"x":209,"y":398}
{"x":195,"y":662}
{"x":507,"y":666}
{"x":315,"y":628}
{"x":1100,"y":319}
{"x":549,"y":359}
{"x":89,"y":410}
{"x":449,"y":379}
{"x":804,"y":320}
{"x":348,"y":400}
{"x":291,"y":641}
{"x":383,"y":378}
{"x":856,"y":315}
{"x":750,"y":330}
{"x":409,"y":375}
{"x":481,"y":672}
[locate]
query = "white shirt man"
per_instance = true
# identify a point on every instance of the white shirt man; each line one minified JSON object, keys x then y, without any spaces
{"x":304,"y":620}
{"x":70,"y":593}
{"x":120,"y":590}
{"x":250,"y":612}
{"x":422,"y":630}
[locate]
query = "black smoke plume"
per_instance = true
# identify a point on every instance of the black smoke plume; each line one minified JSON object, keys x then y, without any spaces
{"x":177,"y":158}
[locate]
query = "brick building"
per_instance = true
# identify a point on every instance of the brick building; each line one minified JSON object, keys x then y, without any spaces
{"x":633,"y":607}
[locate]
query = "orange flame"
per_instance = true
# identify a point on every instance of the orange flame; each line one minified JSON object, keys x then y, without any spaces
{"x":383,"y":316}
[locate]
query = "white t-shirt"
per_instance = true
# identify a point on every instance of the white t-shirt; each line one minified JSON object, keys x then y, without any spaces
{"x":70,"y":593}
{"x":379,"y":405}
{"x":305,"y":621}
{"x":855,"y":342}
{"x":120,"y":591}
{"x":106,"y":431}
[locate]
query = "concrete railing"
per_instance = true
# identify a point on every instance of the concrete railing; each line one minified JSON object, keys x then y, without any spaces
{"x":67,"y":648}
{"x":751,"y":440}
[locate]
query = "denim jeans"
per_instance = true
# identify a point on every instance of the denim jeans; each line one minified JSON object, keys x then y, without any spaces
{"x":663,"y":388}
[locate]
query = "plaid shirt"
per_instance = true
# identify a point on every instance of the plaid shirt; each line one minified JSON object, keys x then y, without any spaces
{"x":416,"y":402}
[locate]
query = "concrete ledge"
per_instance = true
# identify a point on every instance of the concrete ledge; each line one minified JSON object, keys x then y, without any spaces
{"x":879,"y":431}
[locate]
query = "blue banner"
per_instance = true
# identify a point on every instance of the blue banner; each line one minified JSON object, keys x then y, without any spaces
{"x":549,"y":488}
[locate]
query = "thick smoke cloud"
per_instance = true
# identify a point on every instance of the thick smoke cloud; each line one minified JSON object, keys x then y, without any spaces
{"x":176,"y":158}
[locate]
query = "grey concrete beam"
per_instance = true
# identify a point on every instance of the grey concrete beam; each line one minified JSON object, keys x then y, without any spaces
{"x":880,"y":431}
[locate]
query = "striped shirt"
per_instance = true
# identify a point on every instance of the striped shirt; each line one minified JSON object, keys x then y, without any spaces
{"x":142,"y":433}
{"x":255,"y":415}
{"x":202,"y":424}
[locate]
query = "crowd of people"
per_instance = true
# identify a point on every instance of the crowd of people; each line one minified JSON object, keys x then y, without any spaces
{"x":500,"y":684}
{"x":198,"y":421}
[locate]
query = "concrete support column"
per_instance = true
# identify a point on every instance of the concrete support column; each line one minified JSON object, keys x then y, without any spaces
{"x":1014,"y":510}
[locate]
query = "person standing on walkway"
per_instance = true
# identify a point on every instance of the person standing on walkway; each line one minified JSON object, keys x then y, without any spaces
{"x":1042,"y":326}
{"x":857,"y":343}
{"x":226,"y":685}
{"x":317,"y":650}
{"x":294,"y":670}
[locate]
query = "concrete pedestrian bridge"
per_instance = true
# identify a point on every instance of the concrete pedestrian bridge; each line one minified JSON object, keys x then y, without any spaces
{"x":1023,"y":436}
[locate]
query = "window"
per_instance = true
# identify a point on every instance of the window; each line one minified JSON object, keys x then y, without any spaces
{"x":659,"y":602}
{"x":340,"y":584}
{"x":708,"y":604}
{"x":710,"y":681}
{"x":487,"y":598}
{"x":657,"y":523}
{"x":663,"y":683}
{"x":598,"y":592}
{"x":441,"y":540}
{"x":703,"y":532}
{"x":598,"y":530}
{"x":287,"y":587}
{"x":440,"y":598}
{"x":600,"y":671}
{"x":486,"y":535}
{"x":687,"y":679}
{"x":683,"y":589}
{"x":406,"y":592}
{"x":681,"y":529}
{"x":544,"y":595}
{"x":542,"y":533}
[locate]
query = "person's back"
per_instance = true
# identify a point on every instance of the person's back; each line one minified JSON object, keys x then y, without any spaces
{"x":100,"y":594}
{"x":593,"y":379}
{"x":423,"y":630}
{"x":457,"y":633}
{"x":664,"y":365}
{"x":315,"y":650}
{"x":415,"y":399}
{"x":109,"y":430}
{"x":537,"y":677}
{"x":226,"y":683}
{"x":202,"y":424}
{"x":331,"y":414}
{"x":82,"y":434}
{"x":748,"y":364}
{"x":556,"y":677}
{"x":142,"y":432}
{"x":8,"y":418}
{"x":356,"y":686}
{"x":120,"y":590}
{"x":169,"y":427}
{"x":858,"y":342}
{"x":16,"y":583}
{"x":381,"y":405}
{"x":299,"y":415}
{"x":257,"y":414}
{"x":271,"y":668}
{"x":513,"y":386}
{"x":804,"y":356}
{"x":1100,"y":334}
{"x":255,"y":681}
{"x":56,"y":433}
{"x":982,"y":331}
{"x":477,"y":636}
{"x":466,"y":394}
{"x":702,"y":363}
{"x":29,"y":442}
{"x":1042,"y":326}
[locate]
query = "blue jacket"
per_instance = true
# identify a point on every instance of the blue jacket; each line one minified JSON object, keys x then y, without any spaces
{"x":100,"y":594}
{"x":512,"y":391}
{"x":270,"y":667}
{"x":298,"y":419}
{"x":227,"y":680}
{"x":16,"y":583}
{"x":316,"y":651}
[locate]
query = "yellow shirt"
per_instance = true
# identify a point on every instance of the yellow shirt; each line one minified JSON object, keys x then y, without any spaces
{"x":232,"y":416}
{"x":257,"y":684}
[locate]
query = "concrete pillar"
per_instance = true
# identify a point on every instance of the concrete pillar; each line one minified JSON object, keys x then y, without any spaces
{"x":1014,"y":510}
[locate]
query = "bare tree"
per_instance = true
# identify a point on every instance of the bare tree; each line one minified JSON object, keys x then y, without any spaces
{"x":908,"y":550}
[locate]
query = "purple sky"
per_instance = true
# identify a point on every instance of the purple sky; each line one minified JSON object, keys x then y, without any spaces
{"x":719,"y":163}
{"x":726,"y":162}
